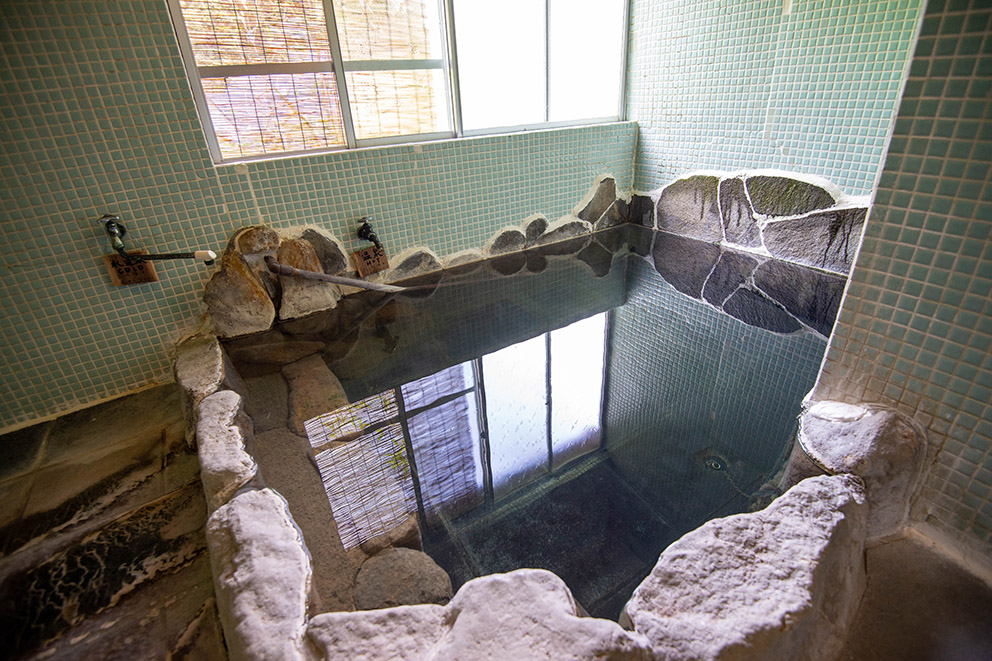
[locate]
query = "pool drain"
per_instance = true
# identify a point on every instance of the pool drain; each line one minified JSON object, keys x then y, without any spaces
{"x":715,"y":463}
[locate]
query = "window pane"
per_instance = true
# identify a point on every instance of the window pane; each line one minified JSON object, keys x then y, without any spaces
{"x":226,"y":32}
{"x":388,"y":29}
{"x":431,"y":388}
{"x":516,"y":410}
{"x":446,"y":446}
{"x":274,"y":113}
{"x":501,"y":62}
{"x":577,"y":387}
{"x":586,"y":53}
{"x":386,"y":103}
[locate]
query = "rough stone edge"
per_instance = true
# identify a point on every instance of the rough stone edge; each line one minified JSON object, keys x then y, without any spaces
{"x":198,"y":367}
{"x":225,"y":464}
{"x":250,"y":631}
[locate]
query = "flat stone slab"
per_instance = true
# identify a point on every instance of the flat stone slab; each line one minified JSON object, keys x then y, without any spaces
{"x":811,"y":296}
{"x":313,"y":391}
{"x":261,"y":576}
{"x":782,"y":583}
{"x":731,"y":271}
{"x":784,"y":196}
{"x":739,"y":224}
{"x":522,"y":615}
{"x":684,"y":263}
{"x":689,"y":207}
{"x":755,"y":310}
{"x":826,"y":240}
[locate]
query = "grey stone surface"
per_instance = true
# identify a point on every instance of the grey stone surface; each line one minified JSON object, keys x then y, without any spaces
{"x":615,"y":215}
{"x":238,"y":302}
{"x":641,"y":211}
{"x":784,"y":196}
{"x":731,"y":271}
{"x":508,"y":239}
{"x":270,"y":401}
{"x":811,"y":296}
{"x":313,"y":391}
{"x":739,"y":225}
{"x":284,"y":459}
{"x":300,"y":296}
{"x":277,"y":353}
{"x":825,"y":240}
{"x":199,"y":370}
{"x":525,"y":614}
{"x":221,"y":434}
{"x":782,"y":583}
{"x":533,"y":227}
{"x":566,"y":227}
{"x":406,"y":535}
{"x":462,"y":257}
{"x":881,"y":446}
{"x":597,"y":258}
{"x":258,"y":239}
{"x":408,"y":264}
{"x":689,"y":207}
{"x":400,"y":577}
{"x":21,"y":451}
{"x":599,"y":198}
{"x":755,"y":310}
{"x":330,"y":251}
{"x":684,"y":263}
{"x":261,"y":576}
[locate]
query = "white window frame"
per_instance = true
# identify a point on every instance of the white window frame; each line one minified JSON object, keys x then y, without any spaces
{"x":448,"y":63}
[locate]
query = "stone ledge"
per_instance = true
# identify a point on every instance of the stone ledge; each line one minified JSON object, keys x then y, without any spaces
{"x":782,"y":583}
{"x":225,"y":465}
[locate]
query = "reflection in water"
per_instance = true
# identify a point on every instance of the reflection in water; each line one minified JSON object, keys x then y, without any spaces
{"x":482,"y":413}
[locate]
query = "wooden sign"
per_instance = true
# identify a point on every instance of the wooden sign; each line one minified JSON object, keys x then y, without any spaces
{"x":122,"y":273}
{"x":370,"y":260}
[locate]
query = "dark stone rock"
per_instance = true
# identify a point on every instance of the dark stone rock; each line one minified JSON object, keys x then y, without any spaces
{"x":598,"y":258}
{"x":330,"y":253}
{"x":615,"y":215}
{"x":730,"y":272}
{"x":602,"y":197}
{"x":567,"y":227}
{"x":507,"y":264}
{"x":783,"y":196}
{"x":508,"y":239}
{"x":564,"y":247}
{"x":688,"y":207}
{"x":280,"y":353}
{"x":238,"y":302}
{"x":411,"y":263}
{"x":738,"y":219}
{"x":641,"y":211}
{"x":811,"y":296}
{"x":639,"y":240}
{"x":755,"y":310}
{"x":534,"y":227}
{"x":825,"y":240}
{"x":684,"y":263}
{"x":536,"y":262}
{"x":258,"y":239}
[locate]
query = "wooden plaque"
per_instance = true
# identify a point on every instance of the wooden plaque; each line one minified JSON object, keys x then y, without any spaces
{"x":370,"y":260}
{"x":122,"y":273}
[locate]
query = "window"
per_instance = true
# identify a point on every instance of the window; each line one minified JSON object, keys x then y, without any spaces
{"x":476,"y":432}
{"x":283,"y":77}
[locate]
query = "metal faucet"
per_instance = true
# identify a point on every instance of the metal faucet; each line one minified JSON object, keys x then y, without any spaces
{"x":366,"y":232}
{"x":116,"y":231}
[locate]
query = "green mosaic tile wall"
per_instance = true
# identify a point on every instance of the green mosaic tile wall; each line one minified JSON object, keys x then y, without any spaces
{"x":97,"y":117}
{"x":809,"y":86}
{"x":915,"y":330}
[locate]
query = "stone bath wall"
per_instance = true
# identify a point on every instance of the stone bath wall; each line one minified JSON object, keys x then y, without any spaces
{"x":771,"y":249}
